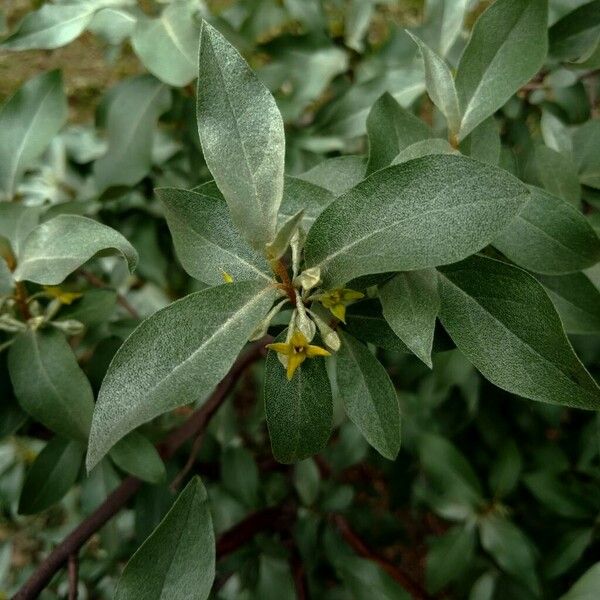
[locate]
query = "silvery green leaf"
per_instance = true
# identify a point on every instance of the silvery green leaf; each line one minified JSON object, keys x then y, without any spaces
{"x":586,"y":153}
{"x":556,"y":173}
{"x":483,"y":143}
{"x":301,"y":321}
{"x":309,"y":278}
{"x":52,"y":26}
{"x":303,"y":195}
{"x":411,"y":304}
{"x":575,"y":34}
{"x":49,"y":384}
{"x":175,"y":357}
{"x":369,"y":397}
{"x":242,"y":137}
{"x":28,"y":121}
{"x":54,"y":249}
{"x":357,"y":18}
{"x":337,"y":174}
{"x":391,"y":129}
{"x":51,"y":475}
{"x":504,"y":323}
{"x":177,"y":561}
{"x":133,"y":110}
{"x":507,"y":48}
{"x":321,"y":316}
{"x":136,"y":455}
{"x":426,"y":212}
{"x":549,"y":236}
{"x":424,"y":148}
{"x":206,"y":240}
{"x":577,"y":301}
{"x":586,"y":587}
{"x":278,"y":247}
{"x":556,"y":134}
{"x":16,"y":223}
{"x":440,"y":85}
{"x":444,"y":21}
{"x":168,"y":44}
{"x":299,"y":412}
{"x":113,"y":25}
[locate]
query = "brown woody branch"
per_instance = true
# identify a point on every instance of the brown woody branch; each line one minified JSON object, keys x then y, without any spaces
{"x":197,"y":422}
{"x":73,"y":570}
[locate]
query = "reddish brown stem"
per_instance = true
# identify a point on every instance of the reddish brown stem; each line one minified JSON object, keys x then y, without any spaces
{"x":73,"y":570}
{"x":361,"y":548}
{"x":21,"y":299}
{"x":286,"y":283}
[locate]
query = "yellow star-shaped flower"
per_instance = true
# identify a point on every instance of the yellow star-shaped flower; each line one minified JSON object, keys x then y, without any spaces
{"x":63,"y":297}
{"x":297,"y":350}
{"x":337,"y":300}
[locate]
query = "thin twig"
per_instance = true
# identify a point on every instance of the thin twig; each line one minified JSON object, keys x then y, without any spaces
{"x":197,"y":422}
{"x":98,"y":283}
{"x":361,"y":548}
{"x":298,"y":571}
{"x":73,"y":570}
{"x":276,"y":518}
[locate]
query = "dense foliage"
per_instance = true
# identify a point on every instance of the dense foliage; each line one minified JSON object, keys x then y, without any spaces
{"x":311,"y":308}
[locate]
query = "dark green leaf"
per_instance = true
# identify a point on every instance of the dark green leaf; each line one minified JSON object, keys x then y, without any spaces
{"x":135,"y":455}
{"x":507,"y":47}
{"x":49,"y":384}
{"x":556,"y":173}
{"x":369,"y":396}
{"x":51,"y":476}
{"x":391,"y":129}
{"x":503,"y":321}
{"x":240,"y":475}
{"x":450,"y":556}
{"x":411,"y":304}
{"x":549,"y":236}
{"x":177,"y":562}
{"x":299,"y":412}
{"x":572,"y":36}
{"x":511,"y":549}
{"x":577,"y":301}
{"x":367,"y":580}
{"x":586,"y":153}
